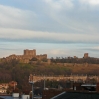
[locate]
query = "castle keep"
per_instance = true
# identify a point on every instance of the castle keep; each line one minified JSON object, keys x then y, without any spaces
{"x":30,"y":52}
{"x":27,"y":56}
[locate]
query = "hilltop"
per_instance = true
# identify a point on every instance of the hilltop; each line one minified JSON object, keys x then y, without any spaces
{"x":19,"y":67}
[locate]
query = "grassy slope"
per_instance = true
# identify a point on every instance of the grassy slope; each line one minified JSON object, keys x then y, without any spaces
{"x":55,"y":69}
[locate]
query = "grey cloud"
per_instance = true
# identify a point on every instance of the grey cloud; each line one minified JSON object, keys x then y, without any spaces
{"x":50,"y":37}
{"x":48,"y":23}
{"x":11,"y":17}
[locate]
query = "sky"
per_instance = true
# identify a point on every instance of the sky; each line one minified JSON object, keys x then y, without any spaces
{"x":58,"y":28}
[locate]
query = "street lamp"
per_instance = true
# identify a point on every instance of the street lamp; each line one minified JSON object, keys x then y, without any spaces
{"x":44,"y":82}
{"x":31,"y":82}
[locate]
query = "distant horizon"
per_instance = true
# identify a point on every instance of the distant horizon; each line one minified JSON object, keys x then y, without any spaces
{"x":51,"y":56}
{"x":57,"y":27}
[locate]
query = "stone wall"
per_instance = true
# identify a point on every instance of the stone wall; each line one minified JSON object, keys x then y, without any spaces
{"x":40,"y":57}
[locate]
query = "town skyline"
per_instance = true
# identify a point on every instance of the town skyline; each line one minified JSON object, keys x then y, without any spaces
{"x":33,"y":53}
{"x":57,"y":27}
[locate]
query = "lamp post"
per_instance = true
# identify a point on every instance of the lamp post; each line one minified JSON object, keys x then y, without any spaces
{"x":44,"y":82}
{"x":31,"y":82}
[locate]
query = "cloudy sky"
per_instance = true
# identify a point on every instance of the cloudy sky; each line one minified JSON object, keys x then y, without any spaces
{"x":55,"y":27}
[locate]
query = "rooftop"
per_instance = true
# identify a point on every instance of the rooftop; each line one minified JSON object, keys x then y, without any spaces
{"x":77,"y":95}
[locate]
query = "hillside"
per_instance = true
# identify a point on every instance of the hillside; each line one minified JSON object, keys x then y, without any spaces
{"x":20,"y":72}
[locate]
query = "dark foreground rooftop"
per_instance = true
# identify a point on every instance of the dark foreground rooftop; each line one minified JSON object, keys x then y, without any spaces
{"x":77,"y":95}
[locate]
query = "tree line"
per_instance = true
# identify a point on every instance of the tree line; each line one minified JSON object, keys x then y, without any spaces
{"x":89,"y":60}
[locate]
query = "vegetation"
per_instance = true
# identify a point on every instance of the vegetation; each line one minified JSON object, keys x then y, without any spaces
{"x":13,"y":70}
{"x":75,"y":60}
{"x":19,"y":72}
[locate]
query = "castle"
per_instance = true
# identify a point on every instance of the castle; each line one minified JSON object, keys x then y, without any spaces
{"x":27,"y":56}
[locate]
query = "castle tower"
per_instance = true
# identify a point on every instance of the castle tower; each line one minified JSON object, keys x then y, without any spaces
{"x":30,"y":52}
{"x":86,"y":55}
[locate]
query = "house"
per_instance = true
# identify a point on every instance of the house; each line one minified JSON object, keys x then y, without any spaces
{"x":3,"y":87}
